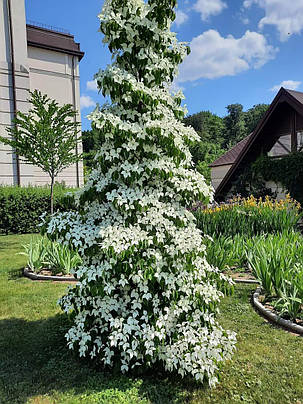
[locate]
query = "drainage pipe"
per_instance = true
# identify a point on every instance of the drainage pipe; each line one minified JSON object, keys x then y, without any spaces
{"x":9,"y":8}
{"x":75,"y":117}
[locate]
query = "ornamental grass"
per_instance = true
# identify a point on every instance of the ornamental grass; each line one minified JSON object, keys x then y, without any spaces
{"x":276,"y":260}
{"x":249,"y":216}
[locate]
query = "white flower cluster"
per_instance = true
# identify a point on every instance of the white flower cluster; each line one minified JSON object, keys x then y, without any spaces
{"x":146,"y":293}
{"x":133,"y":19}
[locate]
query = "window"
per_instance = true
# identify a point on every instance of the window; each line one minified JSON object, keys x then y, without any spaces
{"x":300,"y":141}
{"x":282,"y":146}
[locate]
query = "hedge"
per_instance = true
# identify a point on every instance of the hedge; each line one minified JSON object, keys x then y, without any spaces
{"x":21,"y":207}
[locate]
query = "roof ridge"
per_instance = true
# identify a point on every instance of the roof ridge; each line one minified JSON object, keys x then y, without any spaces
{"x":294,"y":91}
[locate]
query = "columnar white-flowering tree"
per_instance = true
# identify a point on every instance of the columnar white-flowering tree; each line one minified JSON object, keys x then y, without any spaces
{"x":146,"y":293}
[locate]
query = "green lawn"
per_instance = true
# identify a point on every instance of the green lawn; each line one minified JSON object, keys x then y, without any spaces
{"x":36,"y":367}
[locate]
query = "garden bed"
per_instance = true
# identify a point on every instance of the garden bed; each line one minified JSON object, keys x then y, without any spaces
{"x":50,"y":261}
{"x":262,"y":238}
{"x":46,"y":275}
{"x":272,"y":315}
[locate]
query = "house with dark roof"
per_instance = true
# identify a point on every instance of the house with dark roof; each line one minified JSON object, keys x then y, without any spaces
{"x":33,"y":56}
{"x":279,"y":133}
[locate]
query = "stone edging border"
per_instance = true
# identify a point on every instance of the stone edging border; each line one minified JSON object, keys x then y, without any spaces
{"x":36,"y":277}
{"x":248,"y":281}
{"x":289,"y":325}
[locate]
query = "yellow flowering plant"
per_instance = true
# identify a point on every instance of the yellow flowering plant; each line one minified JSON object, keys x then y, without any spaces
{"x":249,"y":216}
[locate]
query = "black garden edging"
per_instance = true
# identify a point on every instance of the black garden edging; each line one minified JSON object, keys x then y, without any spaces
{"x":269,"y":315}
{"x":35,"y":277}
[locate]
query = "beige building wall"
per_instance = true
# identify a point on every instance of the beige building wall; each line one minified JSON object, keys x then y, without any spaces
{"x":53,"y":73}
{"x":8,"y":165}
{"x":218,"y":173}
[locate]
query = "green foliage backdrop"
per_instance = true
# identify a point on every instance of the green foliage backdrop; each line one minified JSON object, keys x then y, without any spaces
{"x":286,"y":171}
{"x":21,"y":207}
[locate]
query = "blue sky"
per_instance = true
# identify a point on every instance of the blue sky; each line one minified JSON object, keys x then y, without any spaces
{"x":242,"y":50}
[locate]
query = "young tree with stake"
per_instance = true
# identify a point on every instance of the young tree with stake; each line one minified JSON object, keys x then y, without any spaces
{"x":146,"y":293}
{"x":46,"y":136}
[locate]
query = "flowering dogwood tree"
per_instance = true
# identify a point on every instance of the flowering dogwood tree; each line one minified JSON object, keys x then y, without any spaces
{"x":146,"y":293}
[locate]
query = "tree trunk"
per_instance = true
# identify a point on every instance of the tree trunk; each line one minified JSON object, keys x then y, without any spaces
{"x":52,"y":195}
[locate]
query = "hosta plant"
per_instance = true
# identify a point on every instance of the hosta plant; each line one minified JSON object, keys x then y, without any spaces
{"x":146,"y":293}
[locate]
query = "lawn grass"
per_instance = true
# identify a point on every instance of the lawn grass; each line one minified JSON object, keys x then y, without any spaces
{"x":36,"y":367}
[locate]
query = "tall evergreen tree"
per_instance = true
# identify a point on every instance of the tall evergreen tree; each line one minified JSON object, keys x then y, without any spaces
{"x":146,"y":293}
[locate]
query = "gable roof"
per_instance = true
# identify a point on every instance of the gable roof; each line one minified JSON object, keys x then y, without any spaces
{"x":298,"y":95}
{"x":294,"y":99}
{"x":231,"y":156}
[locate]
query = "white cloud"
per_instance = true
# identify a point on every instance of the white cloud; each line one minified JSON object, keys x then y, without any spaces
{"x":285,"y":15}
{"x":181,"y":18}
{"x":290,"y":84}
{"x":245,"y":20}
{"x":209,"y":7}
{"x":214,"y":56}
{"x":92,"y":85}
{"x":86,"y":102}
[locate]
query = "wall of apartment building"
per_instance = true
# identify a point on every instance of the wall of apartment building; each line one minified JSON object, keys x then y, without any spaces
{"x":8,"y":163}
{"x":51,"y":72}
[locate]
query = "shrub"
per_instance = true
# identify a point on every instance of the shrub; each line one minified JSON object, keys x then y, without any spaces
{"x":146,"y":294}
{"x":42,"y":254}
{"x":21,"y":207}
{"x":249,"y":217}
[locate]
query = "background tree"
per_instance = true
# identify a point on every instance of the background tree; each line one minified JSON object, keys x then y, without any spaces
{"x":90,"y":144}
{"x":146,"y":293}
{"x":46,"y":136}
{"x":209,"y":126}
{"x":253,"y":116}
{"x":218,"y":135}
{"x":234,"y":123}
{"x":204,"y":153}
